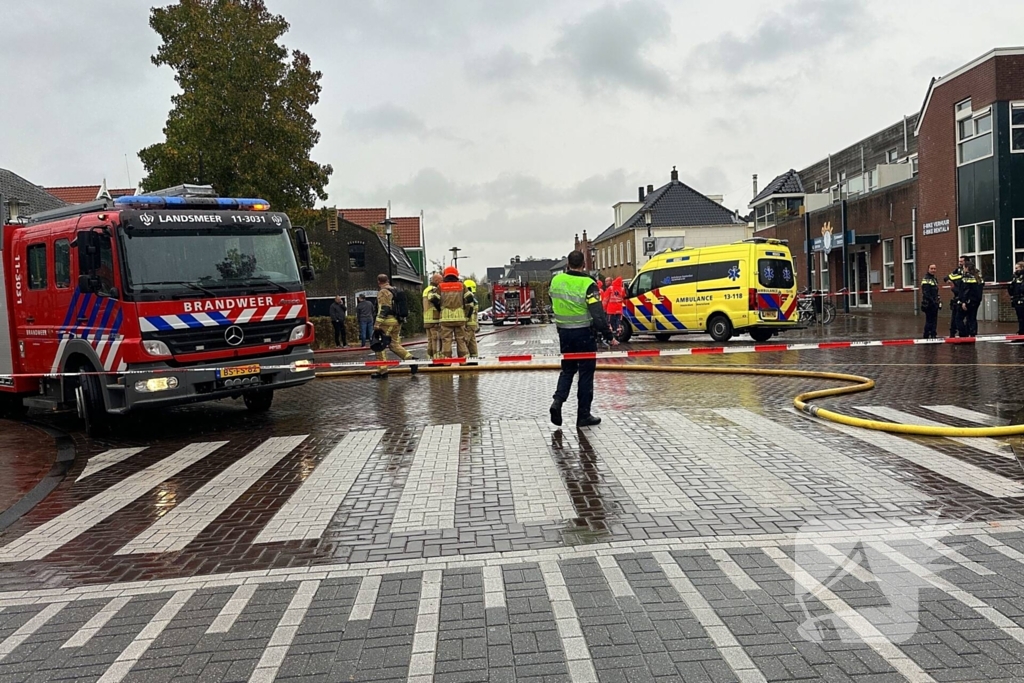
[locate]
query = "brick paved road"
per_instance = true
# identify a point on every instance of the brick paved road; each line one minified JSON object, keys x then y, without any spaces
{"x":437,"y":528}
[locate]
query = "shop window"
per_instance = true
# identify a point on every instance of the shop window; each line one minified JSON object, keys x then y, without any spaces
{"x":356,"y":256}
{"x":977,"y":243}
{"x":888,"y":264}
{"x":826,"y":278}
{"x":37,"y":266}
{"x":973,"y":135}
{"x":62,"y":264}
{"x":1017,"y":126}
{"x":909,"y":272}
{"x":1018,"y":240}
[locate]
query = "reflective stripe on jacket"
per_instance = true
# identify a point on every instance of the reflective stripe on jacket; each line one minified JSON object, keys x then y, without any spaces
{"x":569,"y":300}
{"x":431,"y":316}
{"x":453,"y":304}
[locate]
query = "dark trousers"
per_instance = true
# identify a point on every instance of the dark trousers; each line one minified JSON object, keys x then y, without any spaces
{"x":969,"y":321}
{"x":339,"y":332}
{"x":931,"y":322}
{"x":615,"y":322}
{"x":957,"y":313}
{"x":577,"y":341}
{"x":365,"y":332}
{"x":1019,"y":308}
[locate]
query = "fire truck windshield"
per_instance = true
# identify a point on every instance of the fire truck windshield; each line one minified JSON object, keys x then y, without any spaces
{"x":181,"y":262}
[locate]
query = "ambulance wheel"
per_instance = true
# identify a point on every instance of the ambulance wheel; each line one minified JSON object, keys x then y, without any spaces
{"x":258,"y":401}
{"x":626,"y":333}
{"x":761,"y":334}
{"x":663,"y":337}
{"x":720,"y":328}
{"x":92,"y":410}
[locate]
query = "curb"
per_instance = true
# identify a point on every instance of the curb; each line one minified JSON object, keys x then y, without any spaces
{"x":63,"y":461}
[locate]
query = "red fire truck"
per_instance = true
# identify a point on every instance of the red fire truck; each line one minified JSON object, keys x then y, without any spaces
{"x":511,"y":302}
{"x":156,"y":300}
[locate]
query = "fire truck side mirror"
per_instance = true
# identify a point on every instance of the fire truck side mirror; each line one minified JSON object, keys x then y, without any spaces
{"x":302,"y":242}
{"x":88,"y":252}
{"x":88,"y":284}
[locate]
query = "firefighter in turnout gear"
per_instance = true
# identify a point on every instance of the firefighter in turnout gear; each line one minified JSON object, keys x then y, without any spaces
{"x":1016,"y":290}
{"x":472,"y":324}
{"x":930,"y":302}
{"x":954,"y":279}
{"x":450,"y":300}
{"x":576,"y":304}
{"x":389,"y":324}
{"x":432,"y":317}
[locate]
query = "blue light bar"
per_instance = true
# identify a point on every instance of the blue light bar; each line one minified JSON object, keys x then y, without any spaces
{"x":156,"y":202}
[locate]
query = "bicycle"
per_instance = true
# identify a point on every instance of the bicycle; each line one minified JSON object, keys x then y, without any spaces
{"x":811,"y":312}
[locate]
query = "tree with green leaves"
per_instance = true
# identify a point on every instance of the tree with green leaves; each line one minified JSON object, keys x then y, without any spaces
{"x":242,"y":120}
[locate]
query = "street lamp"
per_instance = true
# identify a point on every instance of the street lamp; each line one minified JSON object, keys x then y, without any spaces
{"x":455,"y":256}
{"x":647,"y":221}
{"x":592,"y":251}
{"x":388,"y":223}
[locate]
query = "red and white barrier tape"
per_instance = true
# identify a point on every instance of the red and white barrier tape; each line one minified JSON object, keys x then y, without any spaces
{"x":888,"y":290}
{"x":550,"y":358}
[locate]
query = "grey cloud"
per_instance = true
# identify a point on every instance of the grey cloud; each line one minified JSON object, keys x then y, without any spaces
{"x":391,"y":119}
{"x":503,"y":66}
{"x":605,"y":48}
{"x":799,"y":28}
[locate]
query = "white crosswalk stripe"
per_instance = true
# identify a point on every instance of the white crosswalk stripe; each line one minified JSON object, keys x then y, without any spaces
{"x":64,"y":528}
{"x":308,"y":512}
{"x":428,"y":498}
{"x":182,"y":524}
{"x":977,"y":478}
{"x":968,"y":415}
{"x":103,"y":460}
{"x":538,"y":492}
{"x":990,"y":446}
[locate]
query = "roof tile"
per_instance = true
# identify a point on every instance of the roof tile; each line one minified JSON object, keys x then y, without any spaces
{"x":787,"y":183}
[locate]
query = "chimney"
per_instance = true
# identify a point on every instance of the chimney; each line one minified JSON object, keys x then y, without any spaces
{"x":755,"y":185}
{"x":650,"y":189}
{"x":517,"y":258}
{"x":675,"y":174}
{"x":584,"y":235}
{"x":640,"y":193}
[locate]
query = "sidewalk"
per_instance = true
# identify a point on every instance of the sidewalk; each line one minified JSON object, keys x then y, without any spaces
{"x":26,"y":456}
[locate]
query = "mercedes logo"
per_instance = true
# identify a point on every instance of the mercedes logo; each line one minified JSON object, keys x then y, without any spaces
{"x":234,"y":335}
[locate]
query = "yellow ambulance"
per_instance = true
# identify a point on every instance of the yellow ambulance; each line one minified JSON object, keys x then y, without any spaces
{"x":744,"y":287}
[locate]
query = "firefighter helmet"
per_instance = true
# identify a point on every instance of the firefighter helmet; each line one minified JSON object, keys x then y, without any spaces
{"x":470,"y":285}
{"x":451,"y":270}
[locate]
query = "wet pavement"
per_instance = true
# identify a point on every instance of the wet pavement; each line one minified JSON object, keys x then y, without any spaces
{"x":437,"y":527}
{"x":26,"y":455}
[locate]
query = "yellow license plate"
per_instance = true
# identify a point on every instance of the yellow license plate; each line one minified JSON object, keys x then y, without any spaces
{"x":239,"y":371}
{"x":769,"y":315}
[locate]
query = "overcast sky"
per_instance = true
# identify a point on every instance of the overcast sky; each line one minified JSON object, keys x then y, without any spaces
{"x":512,"y":124}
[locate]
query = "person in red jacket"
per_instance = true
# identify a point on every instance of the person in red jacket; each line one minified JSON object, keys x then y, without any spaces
{"x":612,"y":298}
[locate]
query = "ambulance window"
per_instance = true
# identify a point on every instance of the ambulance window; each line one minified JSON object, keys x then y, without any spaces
{"x":37,"y":266}
{"x":775,"y":273}
{"x":642,"y":285}
{"x":62,"y":264}
{"x":719,"y":270}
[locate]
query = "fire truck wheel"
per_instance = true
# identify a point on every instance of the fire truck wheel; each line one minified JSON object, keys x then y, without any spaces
{"x":761,"y":334}
{"x":90,"y":405}
{"x":259,"y":401}
{"x":499,"y":323}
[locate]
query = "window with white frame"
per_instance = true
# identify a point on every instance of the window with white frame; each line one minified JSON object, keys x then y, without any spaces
{"x":888,"y":264}
{"x":977,"y":243}
{"x":618,"y":254}
{"x":892,"y":156}
{"x":629,"y":251}
{"x":913,"y":164}
{"x":764,"y":215}
{"x":826,"y":280}
{"x":1018,"y":240}
{"x":909,"y":272}
{"x":1017,"y":126}
{"x":973,"y":133}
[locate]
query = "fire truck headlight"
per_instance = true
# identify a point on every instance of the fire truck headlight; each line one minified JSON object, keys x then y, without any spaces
{"x":155,"y":348}
{"x":301,"y":366}
{"x":156,"y":384}
{"x":298,"y":332}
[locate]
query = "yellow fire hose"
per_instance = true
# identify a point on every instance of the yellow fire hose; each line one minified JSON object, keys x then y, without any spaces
{"x":801,"y":402}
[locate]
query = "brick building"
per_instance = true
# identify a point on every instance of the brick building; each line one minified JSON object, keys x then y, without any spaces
{"x":678,"y":216}
{"x":406,"y":231}
{"x":946,"y":181}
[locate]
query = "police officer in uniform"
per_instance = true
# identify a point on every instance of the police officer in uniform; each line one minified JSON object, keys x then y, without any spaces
{"x":1016,"y":290}
{"x":576,"y":304}
{"x":930,"y":302}
{"x":971,"y":288}
{"x":451,"y":299}
{"x":472,"y":324}
{"x":388,"y":324}
{"x":432,"y":317}
{"x":955,"y":308}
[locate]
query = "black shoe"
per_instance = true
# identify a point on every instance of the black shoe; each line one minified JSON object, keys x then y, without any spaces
{"x":414,"y":369}
{"x":588,"y":421}
{"x":377,"y":375}
{"x":556,"y":413}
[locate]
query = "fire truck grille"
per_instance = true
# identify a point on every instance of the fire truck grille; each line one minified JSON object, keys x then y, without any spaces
{"x":201,"y":339}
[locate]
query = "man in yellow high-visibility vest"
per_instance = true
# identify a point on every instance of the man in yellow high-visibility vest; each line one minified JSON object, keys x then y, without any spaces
{"x":576,"y":305}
